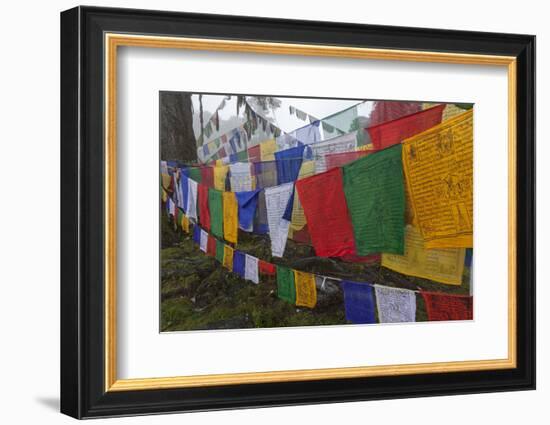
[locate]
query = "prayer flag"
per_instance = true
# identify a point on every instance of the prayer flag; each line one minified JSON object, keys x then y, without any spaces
{"x":247,"y":209}
{"x":276,"y":199}
{"x":395,"y":304}
{"x":219,"y":250}
{"x":228,"y":257}
{"x":375,"y":197}
{"x":306,"y":291}
{"x":345,"y":143}
{"x":207,"y":176}
{"x":288,"y":164}
{"x":285,"y":284}
{"x":220,"y":174}
{"x":251,"y":269}
{"x":267,"y":268}
{"x":215,"y":203}
{"x":387,"y":110}
{"x":204,"y":211}
{"x":184,"y":223}
{"x":447,"y":307}
{"x":265,"y":174}
{"x":239,"y":262}
{"x":192,"y":199}
{"x":230,"y":217}
{"x":268,"y":149}
{"x":211,"y":246}
{"x":240,"y":177}
{"x":260,"y":220}
{"x":340,"y":159}
{"x":325,"y":209}
{"x":254,"y":154}
{"x":204,"y":240}
{"x":393,"y":132}
{"x":197,"y":234}
{"x":359,"y":302}
{"x":438,"y":166}
{"x":443,"y":265}
{"x":195,"y":174}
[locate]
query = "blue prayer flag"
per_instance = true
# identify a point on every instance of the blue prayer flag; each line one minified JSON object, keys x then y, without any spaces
{"x":247,"y":208}
{"x":239,"y":259}
{"x":197,"y":234}
{"x":359,"y":302}
{"x":288,"y":163}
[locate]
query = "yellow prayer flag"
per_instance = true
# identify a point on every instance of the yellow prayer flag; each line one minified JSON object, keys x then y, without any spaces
{"x":166,"y":179}
{"x":367,"y":147}
{"x":184,"y":223}
{"x":230,"y":217}
{"x":451,"y":111}
{"x":438,"y":166}
{"x":298,"y":220}
{"x":219,"y":162}
{"x":267,"y":150}
{"x":443,"y":265}
{"x":306,"y":292}
{"x":228,"y":257}
{"x":220,"y":173}
{"x":164,"y":195}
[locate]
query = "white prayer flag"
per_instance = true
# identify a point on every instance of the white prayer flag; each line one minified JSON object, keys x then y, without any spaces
{"x":395,"y":305}
{"x":251,"y":269}
{"x":204,"y":240}
{"x":341,"y":144}
{"x":240,"y":177}
{"x":276,"y":200}
{"x":192,"y":199}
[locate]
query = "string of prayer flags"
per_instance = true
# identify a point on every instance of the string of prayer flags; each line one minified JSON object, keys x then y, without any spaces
{"x":288,"y":164}
{"x":204,"y":211}
{"x":220,"y":174}
{"x":192,"y":199}
{"x":345,"y":143}
{"x":268,"y":149}
{"x":247,"y":209}
{"x":239,"y":262}
{"x":230,"y":217}
{"x":438,"y":166}
{"x":228,"y":257}
{"x":220,"y":251}
{"x":267,"y":268}
{"x":447,"y":307}
{"x":286,"y":290}
{"x":306,"y":291}
{"x":211,"y":246}
{"x":375,"y":197}
{"x":327,"y":216}
{"x":251,"y":269}
{"x":443,"y":265}
{"x":276,"y":199}
{"x":359,"y":302}
{"x":395,"y":305}
{"x":215,"y":203}
{"x":393,"y":132}
{"x":203,"y":241}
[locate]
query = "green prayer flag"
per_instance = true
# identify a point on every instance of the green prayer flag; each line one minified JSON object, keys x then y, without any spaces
{"x":215,"y":204}
{"x":242,"y":155}
{"x":219,"y":250}
{"x":375,"y":195}
{"x":195,"y":174}
{"x":285,"y":284}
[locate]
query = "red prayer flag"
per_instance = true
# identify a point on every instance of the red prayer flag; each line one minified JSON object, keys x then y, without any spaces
{"x":302,"y":236}
{"x":211,"y":246}
{"x":266,"y":268}
{"x":322,"y":197}
{"x":207,"y":176}
{"x":448,"y":307}
{"x":394,"y":132}
{"x":334,"y":160}
{"x":204,"y":211}
{"x":254,"y":154}
{"x":389,"y":110}
{"x":366,"y":259}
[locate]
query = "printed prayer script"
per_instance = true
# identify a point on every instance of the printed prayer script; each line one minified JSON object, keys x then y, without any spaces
{"x":280,"y":211}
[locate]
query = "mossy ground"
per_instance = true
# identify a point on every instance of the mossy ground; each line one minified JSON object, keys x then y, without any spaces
{"x":197,"y":293}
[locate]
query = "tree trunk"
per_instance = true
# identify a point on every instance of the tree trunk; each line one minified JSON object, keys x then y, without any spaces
{"x":177,"y":138}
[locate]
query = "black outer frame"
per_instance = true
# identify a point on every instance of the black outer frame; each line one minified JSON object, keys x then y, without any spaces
{"x":82,"y":207}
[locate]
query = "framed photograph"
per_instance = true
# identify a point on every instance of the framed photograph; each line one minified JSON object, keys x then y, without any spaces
{"x":261,"y":212}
